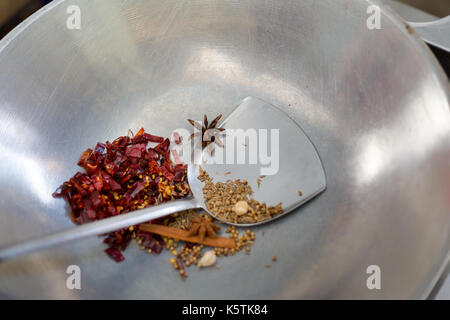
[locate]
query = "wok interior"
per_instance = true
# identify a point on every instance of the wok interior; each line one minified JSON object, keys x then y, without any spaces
{"x":370,"y":100}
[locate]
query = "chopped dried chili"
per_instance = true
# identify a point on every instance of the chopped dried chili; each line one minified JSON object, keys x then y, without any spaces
{"x":122,"y":176}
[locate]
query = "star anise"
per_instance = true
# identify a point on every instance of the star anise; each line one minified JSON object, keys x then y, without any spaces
{"x":209,"y":133}
{"x":203,"y":227}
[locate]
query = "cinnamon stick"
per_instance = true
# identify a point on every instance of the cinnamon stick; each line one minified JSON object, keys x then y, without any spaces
{"x":219,"y":242}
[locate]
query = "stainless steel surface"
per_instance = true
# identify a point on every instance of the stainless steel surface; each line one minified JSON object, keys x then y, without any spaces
{"x":442,"y":288}
{"x":375,"y":103}
{"x":436,"y":33}
{"x":301,"y":166}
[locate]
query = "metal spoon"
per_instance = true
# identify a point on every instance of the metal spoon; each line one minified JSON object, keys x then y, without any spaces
{"x":299,"y":167}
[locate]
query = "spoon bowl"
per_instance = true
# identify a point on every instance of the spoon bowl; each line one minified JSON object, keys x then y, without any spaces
{"x":264,"y":146}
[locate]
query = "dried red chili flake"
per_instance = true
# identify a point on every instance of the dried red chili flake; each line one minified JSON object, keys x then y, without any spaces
{"x":166,"y":172}
{"x":163,"y":149}
{"x":115,"y":253}
{"x":151,"y":155}
{"x":122,"y":176}
{"x":135,"y":150}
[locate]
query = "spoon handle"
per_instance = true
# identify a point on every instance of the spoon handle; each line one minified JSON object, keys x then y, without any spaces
{"x":97,"y":227}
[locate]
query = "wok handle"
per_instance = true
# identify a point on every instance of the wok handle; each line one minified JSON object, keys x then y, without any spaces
{"x":97,"y":228}
{"x":436,"y":33}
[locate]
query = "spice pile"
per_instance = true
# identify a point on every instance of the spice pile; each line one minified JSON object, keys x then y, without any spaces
{"x":126,"y":175}
{"x":186,"y":226}
{"x":232,"y":201}
{"x":123,"y":176}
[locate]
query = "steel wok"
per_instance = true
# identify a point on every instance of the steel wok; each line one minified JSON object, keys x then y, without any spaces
{"x":374,"y":102}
